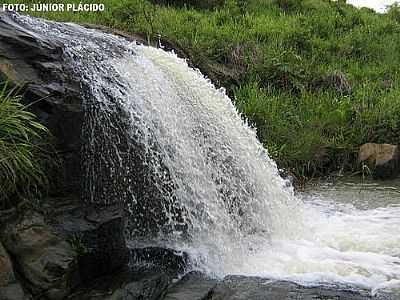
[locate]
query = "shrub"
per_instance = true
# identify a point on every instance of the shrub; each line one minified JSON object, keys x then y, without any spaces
{"x":394,"y":12}
{"x":202,"y":4}
{"x":290,"y":5}
{"x":21,"y":174}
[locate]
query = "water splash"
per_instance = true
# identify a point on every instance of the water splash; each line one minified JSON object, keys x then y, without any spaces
{"x":163,"y":140}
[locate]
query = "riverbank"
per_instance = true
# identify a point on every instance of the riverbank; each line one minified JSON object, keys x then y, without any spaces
{"x":316,"y":78}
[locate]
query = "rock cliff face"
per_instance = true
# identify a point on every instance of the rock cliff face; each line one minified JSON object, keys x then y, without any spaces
{"x":35,"y":64}
{"x":46,"y":262}
{"x":68,"y":242}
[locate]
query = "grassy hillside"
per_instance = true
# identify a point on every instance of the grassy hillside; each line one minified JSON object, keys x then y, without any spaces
{"x":316,"y":78}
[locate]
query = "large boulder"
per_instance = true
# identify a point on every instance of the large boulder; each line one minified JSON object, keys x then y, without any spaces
{"x":46,"y":263}
{"x":382,"y":159}
{"x":95,"y":233}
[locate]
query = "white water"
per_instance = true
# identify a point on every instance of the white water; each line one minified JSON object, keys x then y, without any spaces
{"x":241,"y":216}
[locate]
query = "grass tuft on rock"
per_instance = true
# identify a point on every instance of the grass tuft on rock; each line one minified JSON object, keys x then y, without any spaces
{"x":21,"y":173}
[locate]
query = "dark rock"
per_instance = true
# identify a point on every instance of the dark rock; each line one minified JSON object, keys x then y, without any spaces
{"x":45,"y":262}
{"x":97,"y":236}
{"x":13,"y":291}
{"x":169,"y":260}
{"x":382,"y":159}
{"x":6,"y":268}
{"x":31,"y":61}
{"x":149,"y":288}
{"x":255,"y":288}
{"x":10,"y":289}
{"x":193,"y":286}
{"x":128,"y":285}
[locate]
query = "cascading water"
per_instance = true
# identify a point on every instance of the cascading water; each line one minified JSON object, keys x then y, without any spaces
{"x":202,"y":182}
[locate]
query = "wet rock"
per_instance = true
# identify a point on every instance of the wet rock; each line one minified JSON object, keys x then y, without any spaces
{"x":149,"y":288}
{"x":255,"y":288}
{"x":168,"y":260}
{"x":193,"y":286}
{"x":382,"y":159}
{"x":128,"y":285}
{"x":45,"y":262}
{"x":35,"y":63}
{"x":96,"y":235}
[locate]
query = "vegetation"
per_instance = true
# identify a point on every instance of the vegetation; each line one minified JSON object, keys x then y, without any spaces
{"x":21,"y":173}
{"x":317,"y":78}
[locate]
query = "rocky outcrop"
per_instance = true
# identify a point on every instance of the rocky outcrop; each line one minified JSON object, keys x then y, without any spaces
{"x":72,"y":245}
{"x":382,"y":159}
{"x":152,"y":271}
{"x":96,"y":235}
{"x":46,"y":263}
{"x":34,"y":63}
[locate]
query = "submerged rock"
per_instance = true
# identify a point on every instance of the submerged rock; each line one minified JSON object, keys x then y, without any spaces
{"x":169,"y":260}
{"x":382,"y":159}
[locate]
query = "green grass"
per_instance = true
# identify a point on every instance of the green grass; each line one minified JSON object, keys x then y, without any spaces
{"x":21,"y":174}
{"x":285,"y":57}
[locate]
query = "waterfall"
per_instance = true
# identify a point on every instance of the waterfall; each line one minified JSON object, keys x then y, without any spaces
{"x":162,"y":139}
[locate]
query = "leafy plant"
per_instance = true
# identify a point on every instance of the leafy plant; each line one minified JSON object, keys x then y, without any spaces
{"x":78,"y":245}
{"x":21,"y":173}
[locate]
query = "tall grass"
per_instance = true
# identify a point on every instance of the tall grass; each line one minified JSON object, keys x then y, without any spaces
{"x":21,"y":173}
{"x":287,"y":57}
